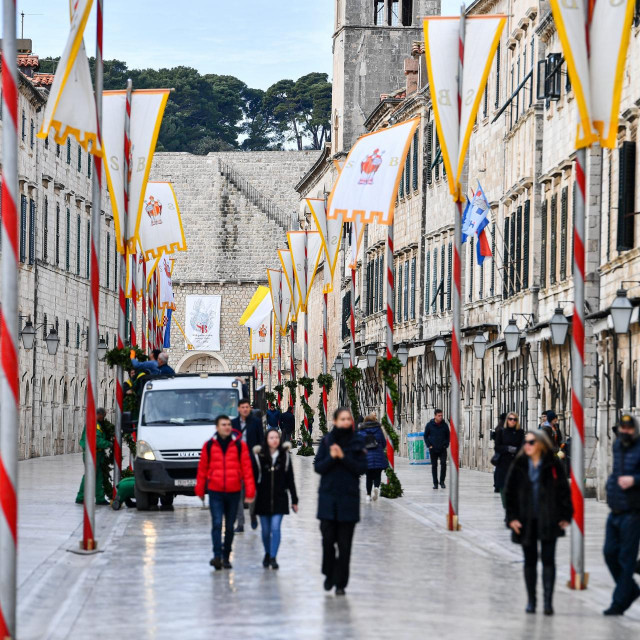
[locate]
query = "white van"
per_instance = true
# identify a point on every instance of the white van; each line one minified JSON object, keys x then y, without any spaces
{"x":177,"y":416}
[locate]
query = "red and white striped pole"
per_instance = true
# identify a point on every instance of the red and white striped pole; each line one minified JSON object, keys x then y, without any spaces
{"x":352,"y":319}
{"x":89,"y":542}
{"x":261,"y":370}
{"x":271,"y":348}
{"x":291,"y":359}
{"x":578,"y":576}
{"x":279,"y":367}
{"x":143,"y":306}
{"x":149,"y":289}
{"x":155,"y":310}
{"x":456,"y":409}
{"x":9,"y":376}
{"x":389,"y":336}
{"x":305,"y":345}
{"x":325,"y":351}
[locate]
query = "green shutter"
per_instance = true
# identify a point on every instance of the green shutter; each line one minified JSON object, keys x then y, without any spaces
{"x":554,"y":239}
{"x":518,"y":249}
{"x":525,"y":244}
{"x":564,"y":206}
{"x":427,"y":285}
{"x":543,"y":246}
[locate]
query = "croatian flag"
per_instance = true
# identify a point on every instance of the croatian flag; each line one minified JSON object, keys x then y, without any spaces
{"x":167,"y":330}
{"x":475,"y":220}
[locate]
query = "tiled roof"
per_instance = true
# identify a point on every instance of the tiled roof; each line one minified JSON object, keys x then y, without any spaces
{"x":42,"y":79}
{"x":28,"y":60}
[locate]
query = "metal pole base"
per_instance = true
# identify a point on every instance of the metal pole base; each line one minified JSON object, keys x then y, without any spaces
{"x":81,"y":551}
{"x":579,"y":583}
{"x":453,"y":524}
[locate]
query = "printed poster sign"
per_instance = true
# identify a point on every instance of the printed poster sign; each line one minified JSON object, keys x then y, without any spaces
{"x":202,"y":322}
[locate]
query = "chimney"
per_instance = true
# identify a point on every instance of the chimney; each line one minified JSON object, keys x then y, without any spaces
{"x":411,"y":66}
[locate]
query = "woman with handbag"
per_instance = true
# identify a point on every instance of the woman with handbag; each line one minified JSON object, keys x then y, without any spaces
{"x":539,"y":509}
{"x":274,"y":482}
{"x":376,"y":446}
{"x":508,"y":441}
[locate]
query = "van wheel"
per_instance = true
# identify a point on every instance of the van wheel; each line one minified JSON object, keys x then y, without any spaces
{"x":166,"y":500}
{"x":143,"y":499}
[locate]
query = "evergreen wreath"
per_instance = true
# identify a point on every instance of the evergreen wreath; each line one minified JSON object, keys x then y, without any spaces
{"x":325,"y":381}
{"x":306,"y":449}
{"x":122,"y":357}
{"x":353,"y":375}
{"x":271,"y":398}
{"x":390,"y":369}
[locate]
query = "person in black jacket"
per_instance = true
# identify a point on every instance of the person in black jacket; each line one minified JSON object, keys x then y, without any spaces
{"x":250,"y":427}
{"x":436,"y":438}
{"x":287,"y":424}
{"x":341,"y":460}
{"x":507,"y":444}
{"x":502,"y":418}
{"x":274,"y":482}
{"x":376,"y":445}
{"x":539,"y":509}
{"x":623,"y":524}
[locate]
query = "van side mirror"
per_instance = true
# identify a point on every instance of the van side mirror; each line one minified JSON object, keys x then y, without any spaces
{"x":128,"y":426}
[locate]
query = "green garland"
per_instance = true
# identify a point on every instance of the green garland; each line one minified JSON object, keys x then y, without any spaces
{"x":108,"y":460}
{"x":307,"y":448}
{"x":324,"y":381}
{"x":271,"y":398}
{"x":122,"y":357}
{"x":390,"y":369}
{"x":292,"y":385}
{"x":353,"y":375}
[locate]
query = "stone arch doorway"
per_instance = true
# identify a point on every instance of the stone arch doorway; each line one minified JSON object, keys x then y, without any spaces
{"x":202,"y":361}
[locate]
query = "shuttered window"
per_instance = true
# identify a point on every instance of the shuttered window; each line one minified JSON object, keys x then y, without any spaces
{"x":481,"y":280}
{"x":32,"y":231}
{"x":505,"y":259}
{"x":564,"y":206}
{"x":116,"y":257}
{"x":68,"y":150}
{"x":485,"y":104}
{"x":88,"y":165}
{"x":573,"y":221}
{"x":449,"y":273}
{"x":401,"y":186}
{"x":497,"y":102}
{"x":407,"y":173}
{"x":88,"y":261}
{"x":406,"y":292}
{"x":108,"y":264}
{"x":626,"y":195}
{"x":512,"y":256}
{"x":381,"y":283}
{"x":471,"y":267}
{"x":442,"y":250}
{"x":66,"y":333}
{"x":518,"y":248}
{"x":32,"y":136}
{"x":413,"y":288}
{"x":427,"y":283}
{"x":434,"y":280}
{"x":543,"y":246}
{"x":23,"y":227}
{"x":57,"y":245}
{"x":429,"y":153}
{"x":78,"y":245}
{"x":553,"y":245}
{"x":399,"y":293}
{"x":374,"y":293}
{"x":79,"y":158}
{"x":525,"y":244}
{"x":492,"y":290}
{"x":77,"y":335}
{"x":414,"y":172}
{"x":437,"y":149}
{"x":67,"y":257}
{"x":45,"y":230}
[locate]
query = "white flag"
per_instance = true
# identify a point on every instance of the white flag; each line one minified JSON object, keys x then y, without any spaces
{"x":306,"y":250}
{"x":151,"y":265}
{"x":357,"y":233}
{"x":71,"y":106}
{"x":165,"y":269}
{"x":442,"y":47}
{"x":147,"y":108}
{"x":261,"y":339}
{"x":161,"y":229}
{"x":287,"y":267}
{"x":280,"y":297}
{"x":331,"y":234}
{"x":596,"y":68}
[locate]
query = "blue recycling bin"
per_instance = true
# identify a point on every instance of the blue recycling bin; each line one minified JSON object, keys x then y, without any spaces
{"x":418,"y":453}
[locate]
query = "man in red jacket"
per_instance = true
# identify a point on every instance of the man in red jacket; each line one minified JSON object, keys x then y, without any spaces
{"x":224,"y":465}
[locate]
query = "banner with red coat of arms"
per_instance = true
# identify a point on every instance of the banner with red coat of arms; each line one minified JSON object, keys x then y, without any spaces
{"x":202,"y":322}
{"x":262,"y":338}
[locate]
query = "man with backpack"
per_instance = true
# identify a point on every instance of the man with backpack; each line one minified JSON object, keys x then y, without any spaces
{"x":224,"y":466}
{"x":436,"y":438}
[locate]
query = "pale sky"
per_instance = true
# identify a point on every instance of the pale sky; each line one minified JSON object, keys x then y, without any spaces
{"x":258,"y":41}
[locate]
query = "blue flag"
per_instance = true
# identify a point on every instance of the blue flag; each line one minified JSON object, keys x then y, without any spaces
{"x":465,"y":220}
{"x":167,"y":329}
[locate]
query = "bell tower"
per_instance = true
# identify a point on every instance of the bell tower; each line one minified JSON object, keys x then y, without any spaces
{"x":371,"y":40}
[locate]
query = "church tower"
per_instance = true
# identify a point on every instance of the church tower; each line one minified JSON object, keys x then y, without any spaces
{"x":371,"y":40}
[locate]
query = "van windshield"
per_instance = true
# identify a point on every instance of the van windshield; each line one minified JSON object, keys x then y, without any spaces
{"x":188,"y":406}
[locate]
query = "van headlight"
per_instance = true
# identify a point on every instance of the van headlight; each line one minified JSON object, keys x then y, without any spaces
{"x":144,"y":450}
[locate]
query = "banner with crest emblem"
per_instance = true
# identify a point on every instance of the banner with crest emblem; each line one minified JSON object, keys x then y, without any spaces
{"x":165,"y":270}
{"x":262,"y":339}
{"x":331,"y":234}
{"x":280,"y":298}
{"x":202,"y":322}
{"x":367,"y":186}
{"x":161,"y":229}
{"x":289,"y":275}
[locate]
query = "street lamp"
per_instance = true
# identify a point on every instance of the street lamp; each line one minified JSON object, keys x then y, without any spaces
{"x":479,"y":346}
{"x":332,"y":371}
{"x":512,"y":336}
{"x":52,"y":341}
{"x":559,"y":327}
{"x":621,"y":310}
{"x":102,"y":348}
{"x":440,"y":349}
{"x":372,"y":357}
{"x":28,"y":335}
{"x":346,"y":360}
{"x":403,"y":354}
{"x":338,"y":364}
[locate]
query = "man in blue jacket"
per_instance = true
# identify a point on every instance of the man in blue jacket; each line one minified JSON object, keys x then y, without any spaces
{"x":623,"y":525}
{"x":436,"y":438}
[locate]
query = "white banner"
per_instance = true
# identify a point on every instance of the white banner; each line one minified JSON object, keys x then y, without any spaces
{"x":357,"y":233}
{"x":367,"y":186}
{"x":202,"y":322}
{"x":442,"y":48}
{"x":151,"y":266}
{"x":280,"y":297}
{"x":261,"y":338}
{"x":71,"y":106}
{"x":147,"y":108}
{"x":161,"y":229}
{"x":597,"y":70}
{"x":306,"y":251}
{"x":287,"y":268}
{"x":330,"y":234}
{"x":165,"y":269}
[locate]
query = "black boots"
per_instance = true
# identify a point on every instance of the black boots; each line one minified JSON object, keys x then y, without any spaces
{"x":548,"y":580}
{"x":530,"y":579}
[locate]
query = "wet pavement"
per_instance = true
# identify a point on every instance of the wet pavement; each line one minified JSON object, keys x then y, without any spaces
{"x":409,"y":577}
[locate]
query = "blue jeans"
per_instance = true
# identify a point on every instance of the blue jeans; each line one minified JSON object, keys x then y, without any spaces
{"x":270,"y":526}
{"x":223,"y":505}
{"x":620,"y":553}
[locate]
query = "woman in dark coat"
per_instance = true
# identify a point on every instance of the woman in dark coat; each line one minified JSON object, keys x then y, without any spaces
{"x":376,"y":446}
{"x":274,"y":482}
{"x":508,"y":442}
{"x":340,"y":461}
{"x":539,"y":509}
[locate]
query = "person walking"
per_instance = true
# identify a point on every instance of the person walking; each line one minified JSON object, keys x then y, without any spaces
{"x":288,"y":424}
{"x":274,"y":483}
{"x":622,"y":538}
{"x":436,"y":438}
{"x":102,"y":444}
{"x":225,"y":466}
{"x":273,"y":417}
{"x":507,"y":444}
{"x":501,"y":420}
{"x":376,"y":447}
{"x":341,"y":460}
{"x":249,"y":426}
{"x":539,"y":509}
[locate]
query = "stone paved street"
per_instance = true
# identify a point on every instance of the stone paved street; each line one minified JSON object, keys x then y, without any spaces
{"x":410,"y":578}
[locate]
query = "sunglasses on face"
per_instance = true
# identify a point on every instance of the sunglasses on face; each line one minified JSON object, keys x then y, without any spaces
{"x":530,"y":441}
{"x":511,"y":419}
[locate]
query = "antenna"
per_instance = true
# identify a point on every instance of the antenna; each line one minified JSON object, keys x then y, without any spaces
{"x":22,"y":15}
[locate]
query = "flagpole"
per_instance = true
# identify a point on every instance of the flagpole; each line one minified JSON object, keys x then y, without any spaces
{"x":143,"y":306}
{"x":456,"y":409}
{"x":89,"y":542}
{"x":325,"y":331}
{"x":389,"y":336}
{"x":305,"y":342}
{"x":352,"y":322}
{"x":9,"y":376}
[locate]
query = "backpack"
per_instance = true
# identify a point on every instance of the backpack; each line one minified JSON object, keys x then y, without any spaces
{"x":370,"y":442}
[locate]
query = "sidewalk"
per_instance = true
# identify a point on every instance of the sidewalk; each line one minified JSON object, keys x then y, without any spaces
{"x":410,"y":577}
